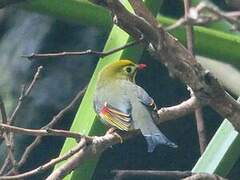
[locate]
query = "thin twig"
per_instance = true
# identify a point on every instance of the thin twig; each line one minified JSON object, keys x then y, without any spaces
{"x":234,"y":14}
{"x":2,"y":134}
{"x":3,"y":111}
{"x":198,"y":111}
{"x":10,"y":151}
{"x":207,"y":6}
{"x":177,"y":111}
{"x":189,"y":28}
{"x":199,"y":17}
{"x":5,"y":165}
{"x":49,"y":164}
{"x":10,"y":156}
{"x":201,"y":129}
{"x":24,"y":94}
{"x":40,"y":132}
{"x":80,"y":53}
{"x":66,"y":109}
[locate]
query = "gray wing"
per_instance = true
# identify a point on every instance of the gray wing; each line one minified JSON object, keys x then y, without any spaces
{"x":144,"y":98}
{"x":144,"y":113}
{"x":114,"y":108}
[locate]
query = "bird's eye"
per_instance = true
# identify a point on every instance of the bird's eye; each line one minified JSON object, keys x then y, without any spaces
{"x":129,"y":69}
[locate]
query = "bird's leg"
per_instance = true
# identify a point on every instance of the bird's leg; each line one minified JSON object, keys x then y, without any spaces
{"x":96,"y":140}
{"x":112,"y":130}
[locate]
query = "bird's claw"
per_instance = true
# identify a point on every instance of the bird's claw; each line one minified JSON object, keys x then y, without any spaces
{"x":112,"y":130}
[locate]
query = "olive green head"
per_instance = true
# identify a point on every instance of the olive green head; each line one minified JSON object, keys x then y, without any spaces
{"x":122,"y":69}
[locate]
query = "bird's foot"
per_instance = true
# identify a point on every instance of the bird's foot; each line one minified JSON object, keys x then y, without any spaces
{"x":112,"y":130}
{"x":97,"y":140}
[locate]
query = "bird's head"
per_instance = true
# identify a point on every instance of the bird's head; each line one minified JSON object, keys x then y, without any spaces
{"x":122,"y":69}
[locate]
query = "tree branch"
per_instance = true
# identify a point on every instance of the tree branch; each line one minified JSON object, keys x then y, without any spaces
{"x":80,"y":53}
{"x":177,"y":111}
{"x":202,"y":139}
{"x":40,"y":132}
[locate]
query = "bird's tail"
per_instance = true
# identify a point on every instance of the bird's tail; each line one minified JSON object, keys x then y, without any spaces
{"x":143,"y":120}
{"x":158,"y":138}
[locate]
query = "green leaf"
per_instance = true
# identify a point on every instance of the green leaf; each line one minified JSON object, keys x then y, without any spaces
{"x":77,"y":11}
{"x":221,"y":153}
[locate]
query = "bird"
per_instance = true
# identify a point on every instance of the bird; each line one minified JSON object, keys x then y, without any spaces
{"x":122,"y":104}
